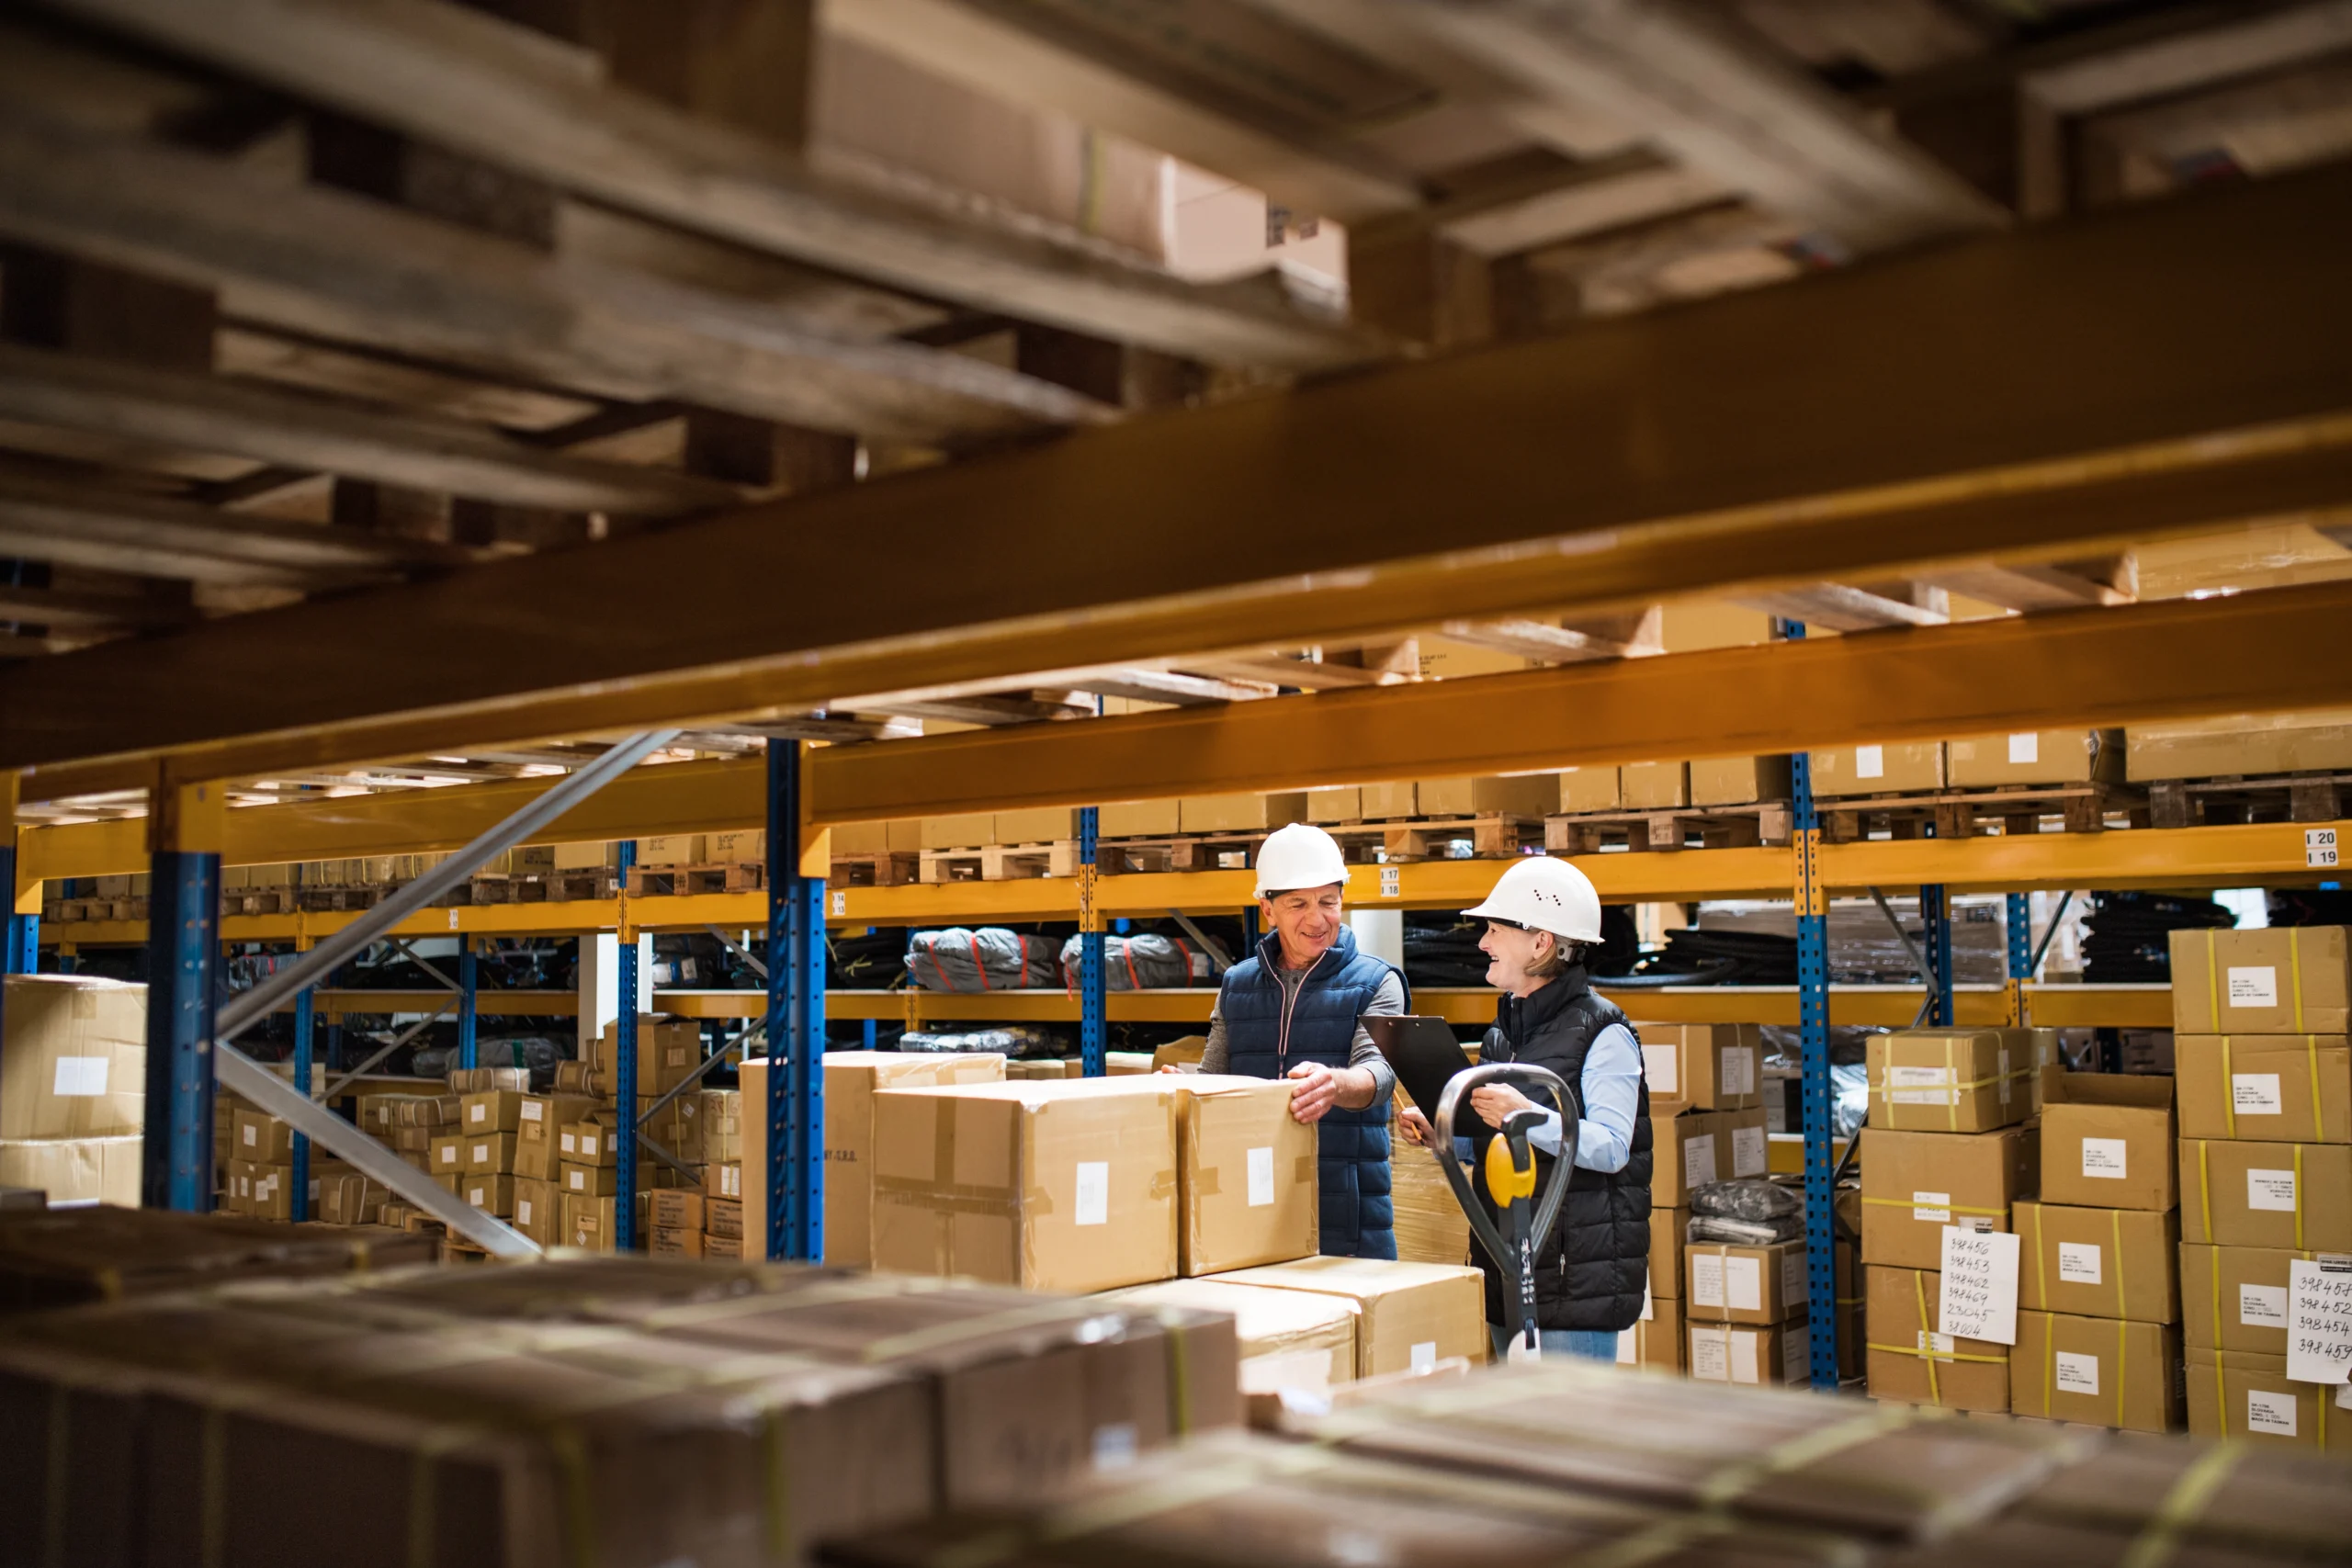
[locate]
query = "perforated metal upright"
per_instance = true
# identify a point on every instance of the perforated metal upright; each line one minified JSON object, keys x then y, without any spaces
{"x":20,"y":946}
{"x":1093,"y":1004}
{"x":2018,"y":925}
{"x":183,"y":963}
{"x":624,"y":1237}
{"x":469,"y":1017}
{"x":795,"y":1021}
{"x":305,"y":1028}
{"x":1812,"y":901}
{"x":1935,"y":922}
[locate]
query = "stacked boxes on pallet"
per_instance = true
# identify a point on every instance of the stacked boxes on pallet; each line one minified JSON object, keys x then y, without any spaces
{"x":2260,"y":1021}
{"x":1707,"y":1124}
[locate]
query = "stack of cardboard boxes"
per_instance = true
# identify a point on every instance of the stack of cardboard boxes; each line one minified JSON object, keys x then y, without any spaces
{"x":2260,"y":1021}
{"x":1707,"y":1124}
{"x":73,"y":1087}
{"x":1946,"y":1144}
{"x":1748,"y":1312}
{"x":260,"y":1162}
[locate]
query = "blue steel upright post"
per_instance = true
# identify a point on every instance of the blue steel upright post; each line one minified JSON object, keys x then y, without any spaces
{"x":2018,"y":925}
{"x":1812,"y":901}
{"x":469,"y":1017}
{"x":1093,"y":1003}
{"x":1934,"y":922}
{"x":183,"y":963}
{"x":305,"y":1026}
{"x":20,"y":951}
{"x":625,"y":1236}
{"x":795,"y":1021}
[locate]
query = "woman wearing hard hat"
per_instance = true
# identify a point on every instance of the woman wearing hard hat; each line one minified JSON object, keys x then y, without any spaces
{"x":1591,"y":1276}
{"x":1290,"y":1010}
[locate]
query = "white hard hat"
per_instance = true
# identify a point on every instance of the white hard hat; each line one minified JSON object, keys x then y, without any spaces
{"x":1301,"y":856}
{"x":1544,"y":895}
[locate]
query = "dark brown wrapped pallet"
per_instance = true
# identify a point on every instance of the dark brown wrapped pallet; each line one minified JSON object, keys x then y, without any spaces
{"x":67,"y":1257}
{"x":2275,"y":1502}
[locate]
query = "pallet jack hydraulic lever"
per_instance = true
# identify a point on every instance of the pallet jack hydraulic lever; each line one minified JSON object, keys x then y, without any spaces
{"x":1508,"y":1172}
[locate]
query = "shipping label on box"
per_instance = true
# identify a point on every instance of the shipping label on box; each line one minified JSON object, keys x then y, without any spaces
{"x":1729,"y":1283}
{"x":1413,"y":1315}
{"x":539,"y":1211}
{"x":1911,"y":1361}
{"x":2098,"y":1262}
{"x":852,"y":1079}
{"x":1949,"y":1080}
{"x":2107,"y":1142}
{"x":1246,"y":1173}
{"x":264,"y":1140}
{"x":2275,"y":980}
{"x":2098,"y":1372}
{"x":2294,"y":1089}
{"x":672,"y":849}
{"x":2296,"y":1197}
{"x":1914,"y":1184}
{"x":488,"y":1152}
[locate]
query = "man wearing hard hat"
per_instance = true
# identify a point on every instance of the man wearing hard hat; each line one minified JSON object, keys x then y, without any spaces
{"x":1592,"y":1274}
{"x":1290,"y":1010}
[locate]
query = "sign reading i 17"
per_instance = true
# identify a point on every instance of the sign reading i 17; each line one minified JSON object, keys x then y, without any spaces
{"x":2319,"y":849}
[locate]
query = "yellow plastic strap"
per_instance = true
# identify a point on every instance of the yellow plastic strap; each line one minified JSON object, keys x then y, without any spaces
{"x":2205,"y":1208}
{"x":1949,"y":1208}
{"x":2049,"y":1364}
{"x":2229,"y":1090}
{"x":2189,"y":1495}
{"x":2117,"y":1215}
{"x":2040,"y":1261}
{"x":1920,"y":1294}
{"x":1933,"y":1356}
{"x":1800,"y":1452}
{"x":1952,"y":1118}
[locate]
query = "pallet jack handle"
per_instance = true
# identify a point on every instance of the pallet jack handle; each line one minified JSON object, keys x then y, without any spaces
{"x":1510,"y":1174}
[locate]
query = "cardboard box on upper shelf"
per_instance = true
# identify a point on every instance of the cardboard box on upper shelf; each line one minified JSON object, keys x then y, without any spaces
{"x":1949,"y":1080}
{"x":2272,"y":980}
{"x":1716,"y":1067}
{"x":1912,"y":768}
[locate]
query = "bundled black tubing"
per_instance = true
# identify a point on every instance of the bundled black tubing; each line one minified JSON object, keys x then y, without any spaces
{"x":1696,"y":957}
{"x":989,"y":959}
{"x":2129,"y":934}
{"x":1143,"y":961}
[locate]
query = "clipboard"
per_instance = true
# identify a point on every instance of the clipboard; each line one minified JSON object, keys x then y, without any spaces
{"x":1422,"y":1051}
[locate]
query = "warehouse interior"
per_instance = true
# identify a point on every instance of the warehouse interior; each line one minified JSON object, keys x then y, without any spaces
{"x":663,"y":669}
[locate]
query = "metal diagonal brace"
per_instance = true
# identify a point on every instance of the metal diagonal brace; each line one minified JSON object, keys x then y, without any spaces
{"x":402,"y":1038}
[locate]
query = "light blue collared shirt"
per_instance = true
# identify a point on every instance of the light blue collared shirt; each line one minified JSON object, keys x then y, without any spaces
{"x":1610,"y":1089}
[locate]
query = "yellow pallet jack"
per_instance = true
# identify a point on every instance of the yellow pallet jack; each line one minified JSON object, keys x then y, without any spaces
{"x":1508,"y":1172}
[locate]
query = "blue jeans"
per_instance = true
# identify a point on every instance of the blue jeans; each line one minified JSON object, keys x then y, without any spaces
{"x":1591,"y":1344}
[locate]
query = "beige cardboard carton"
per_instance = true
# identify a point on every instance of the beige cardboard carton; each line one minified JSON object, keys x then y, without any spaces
{"x":1738,"y":1353}
{"x":1716,"y":1067}
{"x":2034,"y":757}
{"x":670,"y":848}
{"x":1409,"y":1316}
{"x":492,"y":1192}
{"x":75,"y":1061}
{"x":1909,"y":1362}
{"x":1657,"y":1340}
{"x":2316,"y":740}
{"x":852,"y":1079}
{"x":1760,"y":1285}
{"x":1949,"y":1080}
{"x":1137,"y":820}
{"x":1517,"y":794}
{"x":2245,"y":1395}
{"x":103,"y":1170}
{"x":1245,"y":1170}
{"x":2290,"y":1088}
{"x":2098,"y":1262}
{"x":1654,"y":786}
{"x":500,"y":1111}
{"x":1914,"y":1184}
{"x":1289,"y":1338}
{"x":2276,"y":980}
{"x":1239,"y":813}
{"x":264,"y":1140}
{"x":1038,"y":825}
{"x":2294,"y":1197}
{"x":1907,"y":769}
{"x":539,"y":1211}
{"x":1594,"y":789}
{"x":489,"y":1153}
{"x":1668,"y":1227}
{"x":1050,"y":1185}
{"x":1738,"y":781}
{"x":2097,"y":1372}
{"x":2107,"y":1142}
{"x":2234,"y":1298}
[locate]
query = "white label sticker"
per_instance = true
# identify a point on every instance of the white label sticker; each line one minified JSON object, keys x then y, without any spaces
{"x":521,"y":1211}
{"x":250,"y":1135}
{"x":579,"y":1180}
{"x":1628,"y":1347}
{"x":1262,"y":1177}
{"x":2104,"y":1158}
{"x":532,"y":1111}
{"x":1699,"y":1160}
{"x":1979,"y":1298}
{"x":2272,"y":1191}
{"x":2254,"y":1094}
{"x":2319,"y":848}
{"x":1869,"y":761}
{"x":2078,"y":1264}
{"x":1661,"y":1067}
{"x":1424,"y":1355}
{"x":477,"y":1112}
{"x":1706,"y":1279}
{"x":1933,"y":1343}
{"x":1744,"y":1284}
{"x":2025,"y":747}
{"x":1933,"y":1207}
{"x":2262,"y":1306}
{"x":1739,"y":1069}
{"x":1710,"y":1354}
{"x":473,"y":1196}
{"x":2319,"y":1333}
{"x":2271,"y":1412}
{"x":1093,"y":1192}
{"x":1796,"y":1288}
{"x":588,"y":1146}
{"x":1114,"y":1446}
{"x":1749,"y":1152}
{"x":80,"y":1075}
{"x":1920,"y":1086}
{"x":2076,"y":1374}
{"x":1743,"y":1357}
{"x":567,"y":1141}
{"x":481,"y":1152}
{"x":2254,"y":985}
{"x":841,"y":902}
{"x":1392,"y":882}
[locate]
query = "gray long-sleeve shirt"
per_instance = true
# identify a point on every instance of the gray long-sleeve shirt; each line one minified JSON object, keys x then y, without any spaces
{"x":1362,"y":1051}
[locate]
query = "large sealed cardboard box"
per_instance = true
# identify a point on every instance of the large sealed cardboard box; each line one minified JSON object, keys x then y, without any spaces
{"x":1592,"y":789}
{"x":670,"y":848}
{"x":265,"y":1140}
{"x":539,"y":1211}
{"x":1729,"y":1283}
{"x":1239,"y":813}
{"x":538,"y":1117}
{"x":2107,"y":1142}
{"x":2098,"y":1262}
{"x":447,"y":1156}
{"x":98,"y":1170}
{"x":2289,"y":1088}
{"x":668,"y":1049}
{"x":1331,"y":806}
{"x":492,"y":1193}
{"x":589,"y":1141}
{"x":2313,"y":740}
{"x":2276,"y":980}
{"x":1683,"y":1152}
{"x":1949,"y":1080}
{"x":1668,"y":1227}
{"x":1745,"y":1143}
{"x":1289,"y":1338}
{"x":1910,"y":1363}
{"x":2097,"y":1372}
{"x":1738,"y":781}
{"x":1879,"y":769}
{"x":2292,"y":1196}
{"x":74,"y":1064}
{"x":2234,"y":1298}
{"x":489,"y":1153}
{"x":1657,"y":1339}
{"x":2034,"y":756}
{"x":1716,"y":1067}
{"x":852,"y":1078}
{"x":1246,"y":1174}
{"x":1517,"y":795}
{"x":1050,"y":1185}
{"x":1386,"y":802}
{"x":1655,"y":786}
{"x":1409,"y":1317}
{"x":1737,"y":1353}
{"x":966,"y":830}
{"x":1914,"y":1184}
{"x":350,"y":1199}
{"x":2241,"y":1394}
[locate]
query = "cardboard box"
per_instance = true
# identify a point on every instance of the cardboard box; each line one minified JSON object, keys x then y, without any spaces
{"x":1516,"y":794}
{"x":1716,"y":1067}
{"x":1738,"y":1353}
{"x":1910,"y":1363}
{"x":1137,"y":820}
{"x":678,"y":1209}
{"x":1387,"y":802}
{"x":537,"y":1159}
{"x":2289,"y":1196}
{"x":1246,"y":1174}
{"x":746,"y":846}
{"x":1668,"y":1227}
{"x":963,"y":830}
{"x":1745,"y":1284}
{"x":539,"y":1117}
{"x":586,"y":857}
{"x":1656,"y":1339}
{"x":500,"y":1111}
{"x":2107,"y":1142}
{"x":722,"y":1126}
{"x":589,"y":1222}
{"x":1409,"y":1317}
{"x":1739,"y":781}
{"x":1949,"y":1080}
{"x":2317,"y":741}
{"x":1744,"y":1139}
{"x":670,"y":848}
{"x":2234,"y":1298}
{"x":2098,"y":1262}
{"x":589,"y":1181}
{"x":1597,"y":789}
{"x":351,"y":1200}
{"x":588,"y":1141}
{"x":2291,"y":1088}
{"x":669,"y":1241}
{"x":272,"y":1193}
{"x":1909,"y":769}
{"x":493,"y":1193}
{"x":2241,"y":1394}
{"x":723,"y":1182}
{"x":1299,"y":1339}
{"x":264,"y":1140}
{"x":2277,"y":980}
{"x":668,"y":1051}
{"x":102,"y":1170}
{"x":2097,"y":1372}
{"x":539,"y":1211}
{"x":489,"y":1153}
{"x":1328,"y":806}
{"x":1053,"y":1186}
{"x":1038,"y":825}
{"x":722,"y":1216}
{"x":1914,"y":1184}
{"x":729,"y":1247}
{"x":74,"y":1064}
{"x":852,"y":1079}
{"x":1684,"y":1152}
{"x":464,"y":1081}
{"x":1654,"y":786}
{"x":2034,"y":757}
{"x":1239,"y":813}
{"x":447,"y":1156}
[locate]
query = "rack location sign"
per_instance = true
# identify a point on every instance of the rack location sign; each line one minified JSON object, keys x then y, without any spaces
{"x":2319,"y":849}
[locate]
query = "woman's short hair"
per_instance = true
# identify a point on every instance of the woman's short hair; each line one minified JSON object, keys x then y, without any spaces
{"x":1565,"y":955}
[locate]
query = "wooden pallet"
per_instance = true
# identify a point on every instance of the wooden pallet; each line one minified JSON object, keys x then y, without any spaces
{"x":503,"y":888}
{"x":998,"y":863}
{"x":329,"y":899}
{"x":2275,"y":798}
{"x":258,"y":901}
{"x":1714,"y":828}
{"x":1962,"y":814}
{"x":569,"y":886}
{"x":893,"y":868}
{"x":1199,"y":851}
{"x":678,"y":881}
{"x":1491,"y":836}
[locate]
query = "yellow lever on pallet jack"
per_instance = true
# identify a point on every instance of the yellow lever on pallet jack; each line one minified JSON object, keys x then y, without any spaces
{"x":1508,"y":1181}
